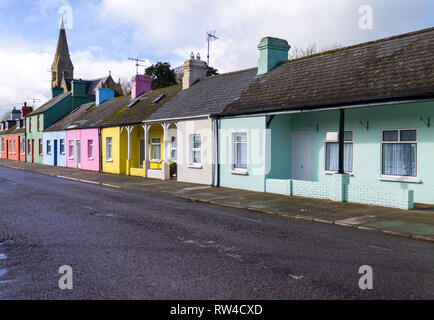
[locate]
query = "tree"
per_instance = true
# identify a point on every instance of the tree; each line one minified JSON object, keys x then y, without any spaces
{"x":310,"y":49}
{"x":6,"y":116}
{"x":211,"y":72}
{"x":125,"y":86}
{"x":162,"y":75}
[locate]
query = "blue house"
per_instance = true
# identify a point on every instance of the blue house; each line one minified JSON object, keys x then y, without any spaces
{"x":351,"y":124}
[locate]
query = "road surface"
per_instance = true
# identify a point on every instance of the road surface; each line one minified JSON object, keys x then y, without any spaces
{"x":123,"y":244}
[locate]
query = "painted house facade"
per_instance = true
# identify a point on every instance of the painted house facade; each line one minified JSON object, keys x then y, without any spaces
{"x":355,"y":127}
{"x":190,"y":115}
{"x":129,"y":146}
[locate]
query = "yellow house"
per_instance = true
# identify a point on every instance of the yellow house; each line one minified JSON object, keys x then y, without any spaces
{"x":123,"y":146}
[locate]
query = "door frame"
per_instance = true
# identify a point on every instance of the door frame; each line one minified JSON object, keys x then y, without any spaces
{"x":55,"y":151}
{"x":293,"y":153}
{"x":78,"y":154}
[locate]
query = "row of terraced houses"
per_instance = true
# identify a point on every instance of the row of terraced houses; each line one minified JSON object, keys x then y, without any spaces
{"x":351,"y":124}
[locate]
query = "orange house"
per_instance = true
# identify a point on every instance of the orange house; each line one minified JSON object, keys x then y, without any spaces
{"x":12,"y":141}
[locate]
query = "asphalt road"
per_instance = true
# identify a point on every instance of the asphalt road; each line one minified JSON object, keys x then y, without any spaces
{"x":133,"y":245}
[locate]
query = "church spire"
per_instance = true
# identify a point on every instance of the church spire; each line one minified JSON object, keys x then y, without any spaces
{"x":62,"y":64}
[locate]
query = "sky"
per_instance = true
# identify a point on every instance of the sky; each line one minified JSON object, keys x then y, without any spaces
{"x":103,"y":34}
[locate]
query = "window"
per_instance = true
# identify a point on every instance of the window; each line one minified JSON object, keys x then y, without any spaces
{"x":29,"y":149}
{"x":62,"y":146}
{"x":37,"y":123}
{"x":71,"y":149}
{"x":48,"y":146}
{"x":10,"y":146}
{"x":13,"y":147}
{"x":23,"y":146}
{"x":2,"y":145}
{"x":108,"y":150}
{"x":332,"y":151}
{"x":173,"y":148}
{"x":195,"y":149}
{"x":399,"y":153}
{"x":30,"y":124}
{"x":90,"y":149}
{"x":40,"y":147}
{"x":239,"y":155}
{"x":155,"y":149}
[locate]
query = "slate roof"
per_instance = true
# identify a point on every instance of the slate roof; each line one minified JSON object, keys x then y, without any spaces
{"x":393,"y":68}
{"x":207,"y":96}
{"x":13,"y":131}
{"x":69,"y":121}
{"x":49,"y":104}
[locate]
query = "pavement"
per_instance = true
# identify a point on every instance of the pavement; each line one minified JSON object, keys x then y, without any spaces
{"x":126,"y":244}
{"x":415,"y":224}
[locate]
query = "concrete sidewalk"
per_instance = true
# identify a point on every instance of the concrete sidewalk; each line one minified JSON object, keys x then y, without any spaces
{"x":415,"y":224}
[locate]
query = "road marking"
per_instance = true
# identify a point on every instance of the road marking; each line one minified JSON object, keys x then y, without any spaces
{"x":88,"y":181}
{"x":296,"y":277}
{"x":110,"y":185}
{"x":196,"y":188}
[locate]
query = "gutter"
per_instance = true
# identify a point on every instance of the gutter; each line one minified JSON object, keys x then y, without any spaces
{"x":324,"y":107}
{"x":180,"y":118}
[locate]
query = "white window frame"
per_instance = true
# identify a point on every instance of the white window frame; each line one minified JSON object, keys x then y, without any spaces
{"x":9,"y":146}
{"x":337,"y":141}
{"x":90,"y":148}
{"x":192,"y":164}
{"x":235,"y":169}
{"x":153,"y":144}
{"x":108,"y":142}
{"x":23,"y":146}
{"x":384,"y":177}
{"x":49,"y":147}
{"x":173,"y":148}
{"x":2,"y":145}
{"x":61,"y":142}
{"x":71,"y":151}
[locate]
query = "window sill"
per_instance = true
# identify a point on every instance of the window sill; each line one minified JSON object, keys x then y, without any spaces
{"x":109,"y":160}
{"x":335,"y":172}
{"x":400,"y":179}
{"x":156,"y":161}
{"x":71,"y":158}
{"x":195,"y":166}
{"x":240,"y":172}
{"x":89,"y":159}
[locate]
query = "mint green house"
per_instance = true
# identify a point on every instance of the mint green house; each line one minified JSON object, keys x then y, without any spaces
{"x":60,"y":105}
{"x":352,"y":124}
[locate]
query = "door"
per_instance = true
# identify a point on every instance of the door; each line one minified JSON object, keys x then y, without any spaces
{"x":55,"y":152}
{"x":78,"y":153}
{"x":141,"y":152}
{"x":301,"y":156}
{"x":33,"y":150}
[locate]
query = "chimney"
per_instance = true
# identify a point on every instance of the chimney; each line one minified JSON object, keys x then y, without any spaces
{"x":56,"y":91}
{"x":15,"y":114}
{"x":103,"y":94}
{"x":2,"y":125}
{"x":78,"y":88}
{"x":194,"y":70}
{"x":140,"y":84}
{"x":271,"y":52}
{"x":25,"y":110}
{"x":10,"y":124}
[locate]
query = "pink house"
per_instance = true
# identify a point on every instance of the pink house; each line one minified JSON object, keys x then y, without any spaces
{"x":82,"y":145}
{"x":82,"y":149}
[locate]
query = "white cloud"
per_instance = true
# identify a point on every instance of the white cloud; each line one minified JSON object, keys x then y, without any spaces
{"x":173,"y":28}
{"x":26,"y":71}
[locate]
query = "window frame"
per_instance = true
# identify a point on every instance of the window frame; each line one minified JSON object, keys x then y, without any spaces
{"x":154,"y":144}
{"x":14,"y":147}
{"x":235,"y":169}
{"x":337,"y":141}
{"x":173,"y":148}
{"x":2,"y":145}
{"x":107,"y":143}
{"x":62,"y":143}
{"x":192,"y":149}
{"x":49,"y":147}
{"x":37,"y":123}
{"x":89,"y":148}
{"x":389,"y":177}
{"x":9,"y":143}
{"x":71,"y":144}
{"x":41,"y":147}
{"x":29,"y":146}
{"x":23,"y":146}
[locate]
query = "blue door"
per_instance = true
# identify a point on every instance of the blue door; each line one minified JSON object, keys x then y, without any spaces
{"x":55,"y":152}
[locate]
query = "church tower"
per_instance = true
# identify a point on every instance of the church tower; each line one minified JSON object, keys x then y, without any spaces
{"x":62,"y":67}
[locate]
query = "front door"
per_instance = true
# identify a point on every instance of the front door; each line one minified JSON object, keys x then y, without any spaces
{"x":55,"y":152}
{"x":301,"y":156}
{"x":141,"y":152}
{"x":78,"y":153}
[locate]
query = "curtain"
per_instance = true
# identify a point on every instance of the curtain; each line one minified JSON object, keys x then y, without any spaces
{"x":332,"y":157}
{"x":399,"y":159}
{"x":241,"y":153}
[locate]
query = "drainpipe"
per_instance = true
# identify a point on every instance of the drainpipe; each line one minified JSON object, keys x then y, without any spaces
{"x":341,"y":140}
{"x":100,"y":150}
{"x":216,"y":127}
